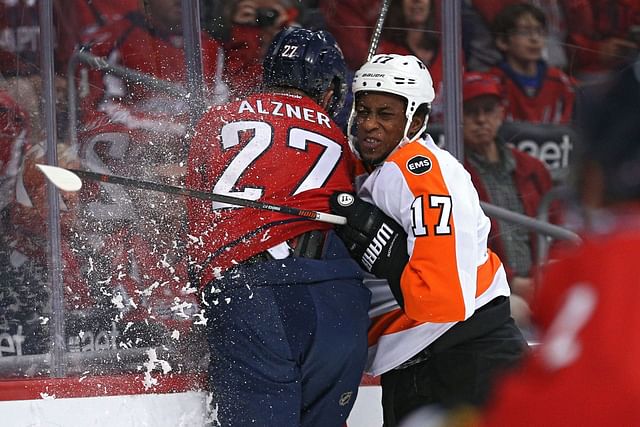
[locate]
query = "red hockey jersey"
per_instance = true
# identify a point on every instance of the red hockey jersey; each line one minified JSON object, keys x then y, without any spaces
{"x":552,"y":103}
{"x":585,"y":372}
{"x":275,"y":148}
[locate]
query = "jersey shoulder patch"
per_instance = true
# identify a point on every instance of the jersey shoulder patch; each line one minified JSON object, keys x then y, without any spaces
{"x":419,"y":164}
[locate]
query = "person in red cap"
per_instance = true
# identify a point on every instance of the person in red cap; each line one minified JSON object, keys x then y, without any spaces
{"x":506,"y":177}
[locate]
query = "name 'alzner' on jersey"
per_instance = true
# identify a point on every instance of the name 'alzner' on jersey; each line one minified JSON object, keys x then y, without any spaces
{"x":281,"y":109}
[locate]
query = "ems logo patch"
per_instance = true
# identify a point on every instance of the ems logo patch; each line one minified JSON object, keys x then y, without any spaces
{"x":418,"y":165}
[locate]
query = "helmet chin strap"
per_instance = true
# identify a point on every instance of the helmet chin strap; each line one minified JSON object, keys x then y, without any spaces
{"x":405,"y":138}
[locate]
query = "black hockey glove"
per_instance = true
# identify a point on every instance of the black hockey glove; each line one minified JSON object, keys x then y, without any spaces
{"x":377,"y":242}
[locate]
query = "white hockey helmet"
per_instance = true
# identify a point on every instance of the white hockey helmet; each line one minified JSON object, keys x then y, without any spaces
{"x":403,"y":75}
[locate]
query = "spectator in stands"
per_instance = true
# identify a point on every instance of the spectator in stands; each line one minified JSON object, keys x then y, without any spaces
{"x":603,"y":35}
{"x":556,"y":12}
{"x":412,"y":28}
{"x":252,"y":25}
{"x":148,"y":40}
{"x":352,"y":22}
{"x":588,"y":297}
{"x":480,"y":52}
{"x":535,"y":92}
{"x":506,"y":177}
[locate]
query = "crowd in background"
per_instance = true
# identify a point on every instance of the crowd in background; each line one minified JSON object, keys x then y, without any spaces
{"x":128,"y":261}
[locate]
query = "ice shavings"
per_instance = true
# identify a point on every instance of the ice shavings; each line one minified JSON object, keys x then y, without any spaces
{"x":117,"y":301}
{"x":202,"y":320}
{"x":265,"y":236}
{"x":148,"y":291}
{"x":152,"y":364}
{"x":178,"y":308}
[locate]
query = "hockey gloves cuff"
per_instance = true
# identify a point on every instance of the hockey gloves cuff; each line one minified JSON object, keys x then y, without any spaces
{"x":376,"y":241}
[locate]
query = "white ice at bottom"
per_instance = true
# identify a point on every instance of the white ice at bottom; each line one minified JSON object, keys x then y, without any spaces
{"x":188,"y":409}
{"x":152,"y":410}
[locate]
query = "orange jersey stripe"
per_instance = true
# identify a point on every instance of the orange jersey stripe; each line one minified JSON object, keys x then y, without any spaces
{"x":430,"y":281}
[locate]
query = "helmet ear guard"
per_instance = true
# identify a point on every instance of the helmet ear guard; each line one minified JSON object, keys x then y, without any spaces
{"x":310,"y":61}
{"x":402,"y":75}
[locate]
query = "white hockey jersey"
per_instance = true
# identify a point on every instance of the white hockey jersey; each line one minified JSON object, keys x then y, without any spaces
{"x":450,"y":273}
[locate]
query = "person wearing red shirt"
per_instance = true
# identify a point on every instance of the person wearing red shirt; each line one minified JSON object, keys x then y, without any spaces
{"x":585,"y":371}
{"x":279,"y":290}
{"x":412,"y":28}
{"x":352,"y":22}
{"x":535,"y":92}
{"x":131,"y":129}
{"x":150,"y":41}
{"x":603,"y":36}
{"x":252,"y":26}
{"x":128,"y":127}
{"x":504,"y":176}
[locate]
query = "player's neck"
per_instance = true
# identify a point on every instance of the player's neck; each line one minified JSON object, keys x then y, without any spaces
{"x":524,"y":68}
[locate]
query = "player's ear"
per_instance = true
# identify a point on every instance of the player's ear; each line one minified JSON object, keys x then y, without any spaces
{"x":416,"y":124}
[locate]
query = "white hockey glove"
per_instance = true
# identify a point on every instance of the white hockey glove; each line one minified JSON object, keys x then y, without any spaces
{"x":376,"y":241}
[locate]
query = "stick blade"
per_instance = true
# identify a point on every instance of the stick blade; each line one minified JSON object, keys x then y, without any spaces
{"x":62,"y":178}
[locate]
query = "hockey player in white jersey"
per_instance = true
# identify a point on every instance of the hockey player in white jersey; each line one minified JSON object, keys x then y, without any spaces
{"x":441,"y":330}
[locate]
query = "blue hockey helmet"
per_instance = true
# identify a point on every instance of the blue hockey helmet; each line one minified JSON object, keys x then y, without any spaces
{"x":307,"y":60}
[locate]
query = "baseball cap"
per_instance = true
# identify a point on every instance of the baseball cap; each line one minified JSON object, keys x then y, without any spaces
{"x":475,"y":84}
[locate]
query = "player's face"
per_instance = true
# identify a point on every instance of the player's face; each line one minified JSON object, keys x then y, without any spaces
{"x":380,"y":121}
{"x":481,"y":119}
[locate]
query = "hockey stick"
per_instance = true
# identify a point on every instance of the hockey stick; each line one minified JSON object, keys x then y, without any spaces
{"x":70,"y":180}
{"x":377,"y":30}
{"x":373,"y":45}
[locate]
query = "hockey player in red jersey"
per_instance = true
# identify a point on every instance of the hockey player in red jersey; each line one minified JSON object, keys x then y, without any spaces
{"x":285,"y":304}
{"x":585,"y":372}
{"x":441,"y":328}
